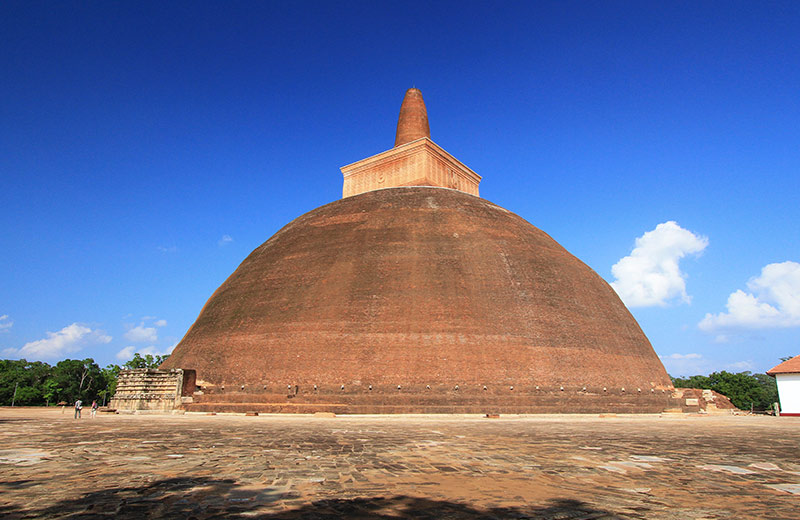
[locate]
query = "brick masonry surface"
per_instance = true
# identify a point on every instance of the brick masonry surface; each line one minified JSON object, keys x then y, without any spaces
{"x":417,"y":288}
{"x":684,"y":467}
{"x":440,"y":399}
{"x":413,"y":120}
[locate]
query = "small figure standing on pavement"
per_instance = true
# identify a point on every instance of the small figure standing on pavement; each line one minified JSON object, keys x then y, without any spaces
{"x":94,"y":408}
{"x":78,"y":406}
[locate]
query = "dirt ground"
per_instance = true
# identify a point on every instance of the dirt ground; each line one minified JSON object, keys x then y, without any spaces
{"x":461,"y":467}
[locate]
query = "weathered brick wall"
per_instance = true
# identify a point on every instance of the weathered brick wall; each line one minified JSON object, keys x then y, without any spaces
{"x":417,"y":287}
{"x":440,"y":398}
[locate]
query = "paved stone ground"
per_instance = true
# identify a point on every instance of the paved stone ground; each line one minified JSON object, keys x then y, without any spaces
{"x":465,"y":467}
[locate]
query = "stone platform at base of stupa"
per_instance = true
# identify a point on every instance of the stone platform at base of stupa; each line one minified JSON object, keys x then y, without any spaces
{"x":144,"y":390}
{"x":439,"y":400}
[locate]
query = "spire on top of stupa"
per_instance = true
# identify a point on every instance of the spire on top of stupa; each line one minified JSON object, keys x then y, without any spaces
{"x":415,"y":160}
{"x":413,"y":121}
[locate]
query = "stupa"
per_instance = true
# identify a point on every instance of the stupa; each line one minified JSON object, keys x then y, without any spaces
{"x":412,"y":294}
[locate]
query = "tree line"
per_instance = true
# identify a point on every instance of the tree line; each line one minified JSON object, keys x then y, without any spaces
{"x":745,"y":390}
{"x":35,"y":383}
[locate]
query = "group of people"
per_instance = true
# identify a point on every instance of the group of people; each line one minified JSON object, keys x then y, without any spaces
{"x":79,"y":407}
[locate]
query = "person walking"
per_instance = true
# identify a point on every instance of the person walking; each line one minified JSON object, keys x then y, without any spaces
{"x":94,"y":408}
{"x":78,"y":406}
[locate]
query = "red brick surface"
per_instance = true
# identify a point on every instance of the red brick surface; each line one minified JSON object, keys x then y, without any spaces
{"x":420,"y":287}
{"x":413,"y":121}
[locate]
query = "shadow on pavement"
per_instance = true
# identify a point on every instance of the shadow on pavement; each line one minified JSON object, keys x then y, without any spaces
{"x":202,"y":498}
{"x":424,"y":508}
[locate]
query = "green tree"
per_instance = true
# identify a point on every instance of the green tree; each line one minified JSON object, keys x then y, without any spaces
{"x":692,"y":382}
{"x":11,"y":372}
{"x":742,"y":389}
{"x":49,"y":390}
{"x":770,"y":387}
{"x":146,"y":361}
{"x":109,"y":375}
{"x":22,"y":382}
{"x":77,"y":379}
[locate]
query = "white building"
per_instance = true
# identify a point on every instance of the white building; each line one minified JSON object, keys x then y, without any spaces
{"x":787,"y":375}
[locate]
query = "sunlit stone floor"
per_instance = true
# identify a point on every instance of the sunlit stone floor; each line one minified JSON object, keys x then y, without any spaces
{"x":553,"y":467}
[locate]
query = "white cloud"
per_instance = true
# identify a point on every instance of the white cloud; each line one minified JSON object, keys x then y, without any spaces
{"x":161,"y":323}
{"x":157,"y":351}
{"x":225,"y":240}
{"x":142,"y":334}
{"x":740,"y":366}
{"x":127,"y":353}
{"x":170,"y":249}
{"x":5,"y":323}
{"x":682,"y":356}
{"x":650,"y":275}
{"x":773,"y":301}
{"x":69,"y":339}
{"x":685,"y":364}
{"x":9,"y":352}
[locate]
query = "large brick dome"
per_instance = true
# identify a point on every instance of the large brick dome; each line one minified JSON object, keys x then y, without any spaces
{"x":412,"y":294}
{"x":419,"y":291}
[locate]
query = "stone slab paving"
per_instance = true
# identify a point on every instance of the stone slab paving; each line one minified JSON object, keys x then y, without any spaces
{"x":460,"y":467}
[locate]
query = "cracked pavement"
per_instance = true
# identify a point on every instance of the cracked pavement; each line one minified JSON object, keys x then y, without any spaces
{"x":294,"y":466}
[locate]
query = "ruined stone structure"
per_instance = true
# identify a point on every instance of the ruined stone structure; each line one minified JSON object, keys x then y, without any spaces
{"x":418,"y":297}
{"x":147,"y":389}
{"x":702,"y":400}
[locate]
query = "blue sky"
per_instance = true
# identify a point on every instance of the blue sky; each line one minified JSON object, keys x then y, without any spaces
{"x":146,"y":148}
